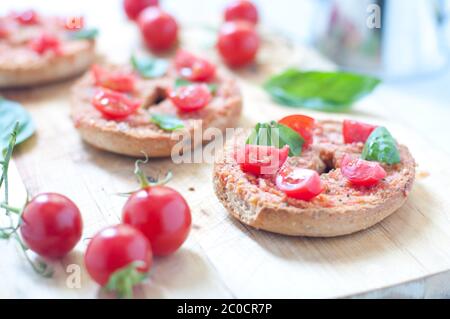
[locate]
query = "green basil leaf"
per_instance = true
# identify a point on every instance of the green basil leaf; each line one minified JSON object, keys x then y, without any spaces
{"x":322,"y":91}
{"x":179,"y":82}
{"x":381,"y":147}
{"x":84,"y":34}
{"x":277,"y":135}
{"x":10,"y":113}
{"x":149,"y":67}
{"x":167,"y":122}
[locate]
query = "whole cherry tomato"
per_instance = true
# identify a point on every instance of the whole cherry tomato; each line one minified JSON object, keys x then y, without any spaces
{"x":114,"y":248}
{"x":158,"y":28}
{"x":27,"y":17}
{"x":162,"y":215}
{"x":115,"y":80}
{"x":303,"y":125}
{"x":134,"y":7}
{"x":194,"y":68}
{"x":45,"y":42}
{"x":355,"y":131}
{"x":299,"y":183}
{"x":51,"y":225}
{"x":238,"y":43}
{"x":190,"y":98}
{"x":260,"y":159}
{"x":241,"y":10}
{"x":360,"y":172}
{"x":115,"y":105}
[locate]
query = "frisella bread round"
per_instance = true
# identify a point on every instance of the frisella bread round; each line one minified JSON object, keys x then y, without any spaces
{"x":344,"y":203}
{"x":171,"y":106}
{"x":37,"y":49}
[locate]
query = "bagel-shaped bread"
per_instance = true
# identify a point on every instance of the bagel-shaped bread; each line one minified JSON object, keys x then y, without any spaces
{"x":137,"y":135}
{"x":340,"y":209}
{"x":20,"y":66}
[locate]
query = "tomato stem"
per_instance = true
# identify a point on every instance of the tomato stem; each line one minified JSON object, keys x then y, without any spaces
{"x":144,"y":180}
{"x":124,"y":279}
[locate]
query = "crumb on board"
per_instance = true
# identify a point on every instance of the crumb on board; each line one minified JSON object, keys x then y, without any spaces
{"x":422,"y":174}
{"x":191,"y":189}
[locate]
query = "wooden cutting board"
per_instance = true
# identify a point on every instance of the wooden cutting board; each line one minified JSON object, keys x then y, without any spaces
{"x":222,"y":257}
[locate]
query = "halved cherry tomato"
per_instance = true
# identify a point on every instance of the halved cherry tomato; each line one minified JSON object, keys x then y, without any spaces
{"x":27,"y":17}
{"x":302,"y":124}
{"x":134,"y":7}
{"x":159,"y":29}
{"x":241,"y":10}
{"x":162,"y":215}
{"x":355,"y":131}
{"x":238,"y":43}
{"x":114,"y":80}
{"x":299,"y":183}
{"x":194,"y":68}
{"x":361,"y":172}
{"x":4,"y":30}
{"x":114,"y":105}
{"x":192,"y":97}
{"x":45,"y":42}
{"x":260,"y":159}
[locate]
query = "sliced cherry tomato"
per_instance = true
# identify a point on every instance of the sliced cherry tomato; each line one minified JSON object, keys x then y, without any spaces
{"x":73,"y":23}
{"x":355,"y":131}
{"x":162,"y":215}
{"x":114,"y":248}
{"x":51,"y":225}
{"x":191,"y":97}
{"x":241,"y":10}
{"x":260,"y":159}
{"x":4,"y":30}
{"x":27,"y":17}
{"x":114,"y":80}
{"x":302,"y":124}
{"x":361,"y":172}
{"x":238,"y":43}
{"x":159,"y":29}
{"x":194,"y":68}
{"x":299,"y":183}
{"x":114,"y":105}
{"x":45,"y":42}
{"x":134,"y":7}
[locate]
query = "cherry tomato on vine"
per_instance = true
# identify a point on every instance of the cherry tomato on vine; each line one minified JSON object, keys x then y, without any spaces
{"x":238,"y":43}
{"x":360,"y":172}
{"x":115,"y":105}
{"x":241,"y":10}
{"x":194,"y":68}
{"x":51,"y":225}
{"x":355,"y":131}
{"x":299,"y":183}
{"x":134,"y":7}
{"x":159,"y":29}
{"x":302,"y":124}
{"x":191,"y":97}
{"x":162,"y":215}
{"x":27,"y":17}
{"x":114,"y":248}
{"x":260,"y":159}
{"x":115,"y":80}
{"x":45,"y":42}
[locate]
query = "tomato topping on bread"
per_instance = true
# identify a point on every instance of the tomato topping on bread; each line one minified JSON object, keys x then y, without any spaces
{"x":361,"y":172}
{"x":354,"y":131}
{"x":194,"y":68}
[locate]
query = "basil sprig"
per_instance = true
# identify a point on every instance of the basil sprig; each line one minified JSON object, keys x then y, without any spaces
{"x":179,"y":82}
{"x":278,"y":135}
{"x":84,"y":34}
{"x":149,"y":67}
{"x":381,"y":147}
{"x":167,"y":122}
{"x":322,"y":91}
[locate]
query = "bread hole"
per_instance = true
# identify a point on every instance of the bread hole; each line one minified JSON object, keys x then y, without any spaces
{"x":158,"y":96}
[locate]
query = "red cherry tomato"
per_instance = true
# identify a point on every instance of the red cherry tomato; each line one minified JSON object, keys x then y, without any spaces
{"x":158,"y":28}
{"x":190,"y":98}
{"x":116,"y":247}
{"x":194,"y":68}
{"x":27,"y":17}
{"x":299,"y":183}
{"x":162,"y":215}
{"x":241,"y":10}
{"x":260,"y":159}
{"x":114,"y":105}
{"x":44,"y":43}
{"x":134,"y":7}
{"x":114,"y":80}
{"x":238,"y":43}
{"x":51,"y":225}
{"x":302,"y":124}
{"x":361,"y":172}
{"x":4,"y":30}
{"x":355,"y":131}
